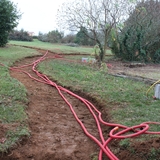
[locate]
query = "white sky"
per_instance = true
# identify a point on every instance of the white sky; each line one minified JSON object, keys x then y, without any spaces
{"x":38,"y":15}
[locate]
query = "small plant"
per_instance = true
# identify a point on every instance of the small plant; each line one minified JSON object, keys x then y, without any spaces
{"x":125,"y":143}
{"x":132,"y":150}
{"x":96,"y":52}
{"x":94,"y":156}
{"x":103,"y":67}
{"x":153,"y":155}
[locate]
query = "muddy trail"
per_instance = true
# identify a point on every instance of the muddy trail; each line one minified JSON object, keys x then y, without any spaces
{"x":55,"y":134}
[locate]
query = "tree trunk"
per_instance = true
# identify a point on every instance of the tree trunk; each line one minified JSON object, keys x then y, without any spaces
{"x":101,"y":55}
{"x":105,"y":44}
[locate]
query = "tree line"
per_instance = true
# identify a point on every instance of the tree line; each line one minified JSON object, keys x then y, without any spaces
{"x":129,"y":27}
{"x":56,"y":36}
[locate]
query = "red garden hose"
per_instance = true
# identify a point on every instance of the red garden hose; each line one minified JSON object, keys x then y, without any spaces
{"x":114,"y":134}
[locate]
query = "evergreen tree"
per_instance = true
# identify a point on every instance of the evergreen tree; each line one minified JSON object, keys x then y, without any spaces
{"x":8,"y":20}
{"x":54,"y":36}
{"x":81,"y":36}
{"x":139,"y":39}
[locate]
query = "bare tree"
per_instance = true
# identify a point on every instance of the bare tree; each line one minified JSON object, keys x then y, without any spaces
{"x":97,"y":16}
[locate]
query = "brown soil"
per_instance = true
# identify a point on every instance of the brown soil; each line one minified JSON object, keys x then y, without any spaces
{"x":139,"y":70}
{"x":55,"y":134}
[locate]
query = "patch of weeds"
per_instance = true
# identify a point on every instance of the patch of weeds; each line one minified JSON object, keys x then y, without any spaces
{"x":153,"y":155}
{"x":132,"y":150}
{"x":104,"y":67}
{"x":94,"y":156}
{"x":12,"y":137}
{"x":125,"y":143}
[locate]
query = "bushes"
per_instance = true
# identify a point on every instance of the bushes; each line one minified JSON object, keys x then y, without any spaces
{"x":70,"y":38}
{"x":53,"y":36}
{"x":43,"y":37}
{"x":20,"y":36}
{"x":58,"y":37}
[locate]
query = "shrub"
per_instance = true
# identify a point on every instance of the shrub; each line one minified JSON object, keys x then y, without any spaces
{"x":53,"y":36}
{"x":20,"y":36}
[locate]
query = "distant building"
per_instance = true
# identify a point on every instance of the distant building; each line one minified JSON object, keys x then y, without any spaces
{"x":31,"y":34}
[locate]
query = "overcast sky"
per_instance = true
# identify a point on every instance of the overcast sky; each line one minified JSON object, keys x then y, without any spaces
{"x":38,"y":15}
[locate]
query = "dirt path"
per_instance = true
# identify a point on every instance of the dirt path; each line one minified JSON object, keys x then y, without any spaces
{"x":55,"y":135}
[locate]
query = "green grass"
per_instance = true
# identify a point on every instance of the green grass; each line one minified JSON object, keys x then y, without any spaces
{"x":10,"y":54}
{"x":13,"y":136}
{"x":58,"y":48}
{"x":78,"y":58}
{"x":13,"y":97}
{"x":125,"y":99}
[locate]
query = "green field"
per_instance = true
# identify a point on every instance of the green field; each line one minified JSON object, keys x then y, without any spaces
{"x":58,"y":48}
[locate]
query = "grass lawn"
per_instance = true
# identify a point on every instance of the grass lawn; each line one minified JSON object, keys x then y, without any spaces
{"x":12,"y":98}
{"x":58,"y":48}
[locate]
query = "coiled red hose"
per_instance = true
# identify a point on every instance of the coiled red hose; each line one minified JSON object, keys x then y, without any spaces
{"x":103,"y":144}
